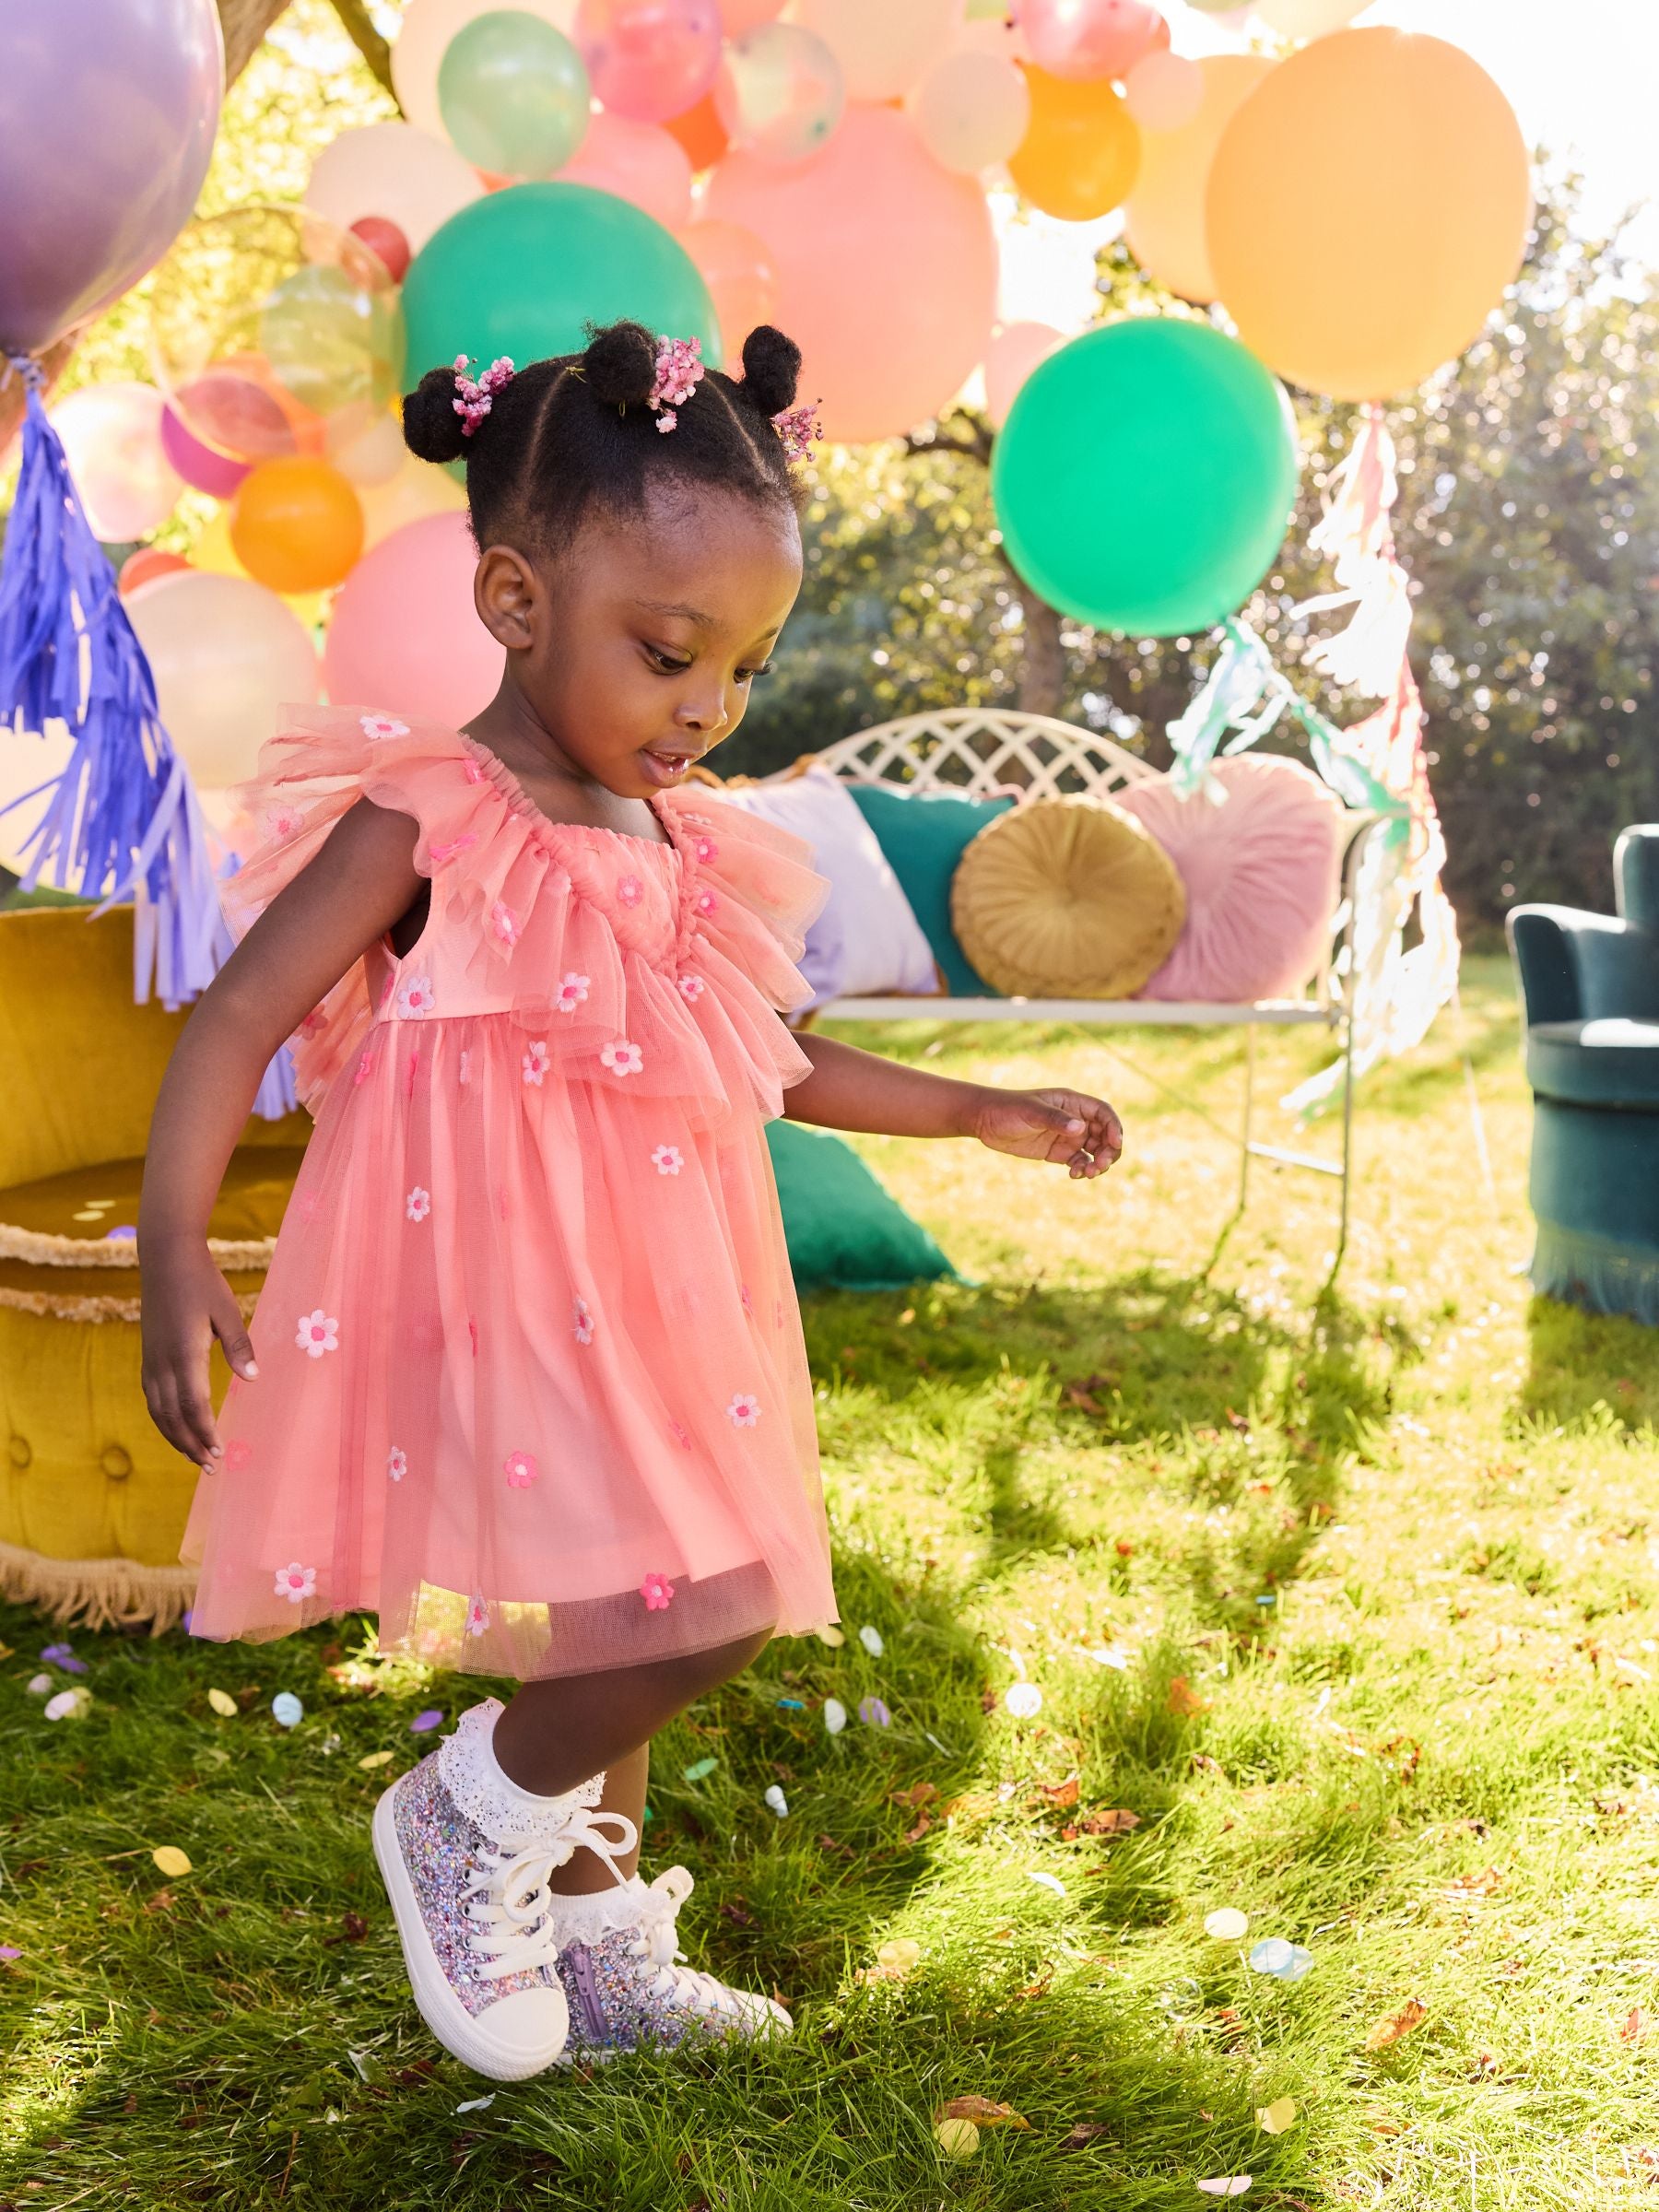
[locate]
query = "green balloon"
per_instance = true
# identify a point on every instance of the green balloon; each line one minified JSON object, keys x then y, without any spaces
{"x":513,"y":94}
{"x":522,"y":272}
{"x":1144,"y":478}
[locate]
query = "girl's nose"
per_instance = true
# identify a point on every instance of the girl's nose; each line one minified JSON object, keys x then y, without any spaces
{"x":702,"y":715}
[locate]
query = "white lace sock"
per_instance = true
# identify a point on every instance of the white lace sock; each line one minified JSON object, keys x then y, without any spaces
{"x":487,"y":1794}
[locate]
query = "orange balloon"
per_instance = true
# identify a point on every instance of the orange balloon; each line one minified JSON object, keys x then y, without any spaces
{"x":1365,"y":285}
{"x":741,"y":279}
{"x":701,"y":132}
{"x":1081,"y":150}
{"x":1164,"y":220}
{"x":148,"y":563}
{"x":295,"y":524}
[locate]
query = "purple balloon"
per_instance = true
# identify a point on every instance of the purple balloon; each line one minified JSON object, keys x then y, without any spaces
{"x":108,"y":110}
{"x":196,"y":463}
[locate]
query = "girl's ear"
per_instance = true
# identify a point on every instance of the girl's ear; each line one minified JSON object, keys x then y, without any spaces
{"x":506,"y":594}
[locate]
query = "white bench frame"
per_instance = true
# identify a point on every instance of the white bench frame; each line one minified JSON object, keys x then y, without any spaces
{"x":978,"y":751}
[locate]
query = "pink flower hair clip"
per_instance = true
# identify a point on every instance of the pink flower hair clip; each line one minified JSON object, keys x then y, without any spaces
{"x":472,"y":401}
{"x":800,"y":428}
{"x":679,"y":371}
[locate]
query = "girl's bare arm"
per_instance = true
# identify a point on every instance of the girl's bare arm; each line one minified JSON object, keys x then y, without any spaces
{"x":360,"y":883}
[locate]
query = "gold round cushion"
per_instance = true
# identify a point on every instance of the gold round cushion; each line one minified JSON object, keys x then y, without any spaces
{"x":1067,"y":899}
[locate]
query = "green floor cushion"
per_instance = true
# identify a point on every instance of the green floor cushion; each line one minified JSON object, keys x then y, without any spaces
{"x":922,"y":835}
{"x":845,"y":1232}
{"x":1605,"y":1063}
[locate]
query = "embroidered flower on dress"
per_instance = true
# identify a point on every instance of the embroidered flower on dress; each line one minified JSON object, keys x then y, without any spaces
{"x":237,"y":1452}
{"x":628,"y":890}
{"x":581,"y":1321}
{"x":707,"y":904}
{"x":397,"y":1464}
{"x":691,"y":988}
{"x":418,"y":1204}
{"x":534,"y":1062}
{"x":522,"y":1470}
{"x":622,"y":1058}
{"x":744,"y":1410}
{"x":706,"y":851}
{"x":318,"y":1333}
{"x":667,"y":1159}
{"x":658,"y":1592}
{"x":383,"y":725}
{"x":281,"y":821}
{"x":504,"y":922}
{"x":294,"y":1581}
{"x":478,"y":1617}
{"x":415,"y":997}
{"x":572,"y":992}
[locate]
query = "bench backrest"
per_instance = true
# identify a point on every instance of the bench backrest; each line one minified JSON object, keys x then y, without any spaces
{"x":975,"y":750}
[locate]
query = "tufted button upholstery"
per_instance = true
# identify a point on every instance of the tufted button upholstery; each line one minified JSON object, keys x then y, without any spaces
{"x":19,"y":1453}
{"x":116,"y":1463}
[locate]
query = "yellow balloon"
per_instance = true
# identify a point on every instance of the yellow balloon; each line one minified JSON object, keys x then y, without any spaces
{"x":1308,"y":18}
{"x":417,"y":491}
{"x":1362,"y":287}
{"x":1081,"y":150}
{"x":213,"y":552}
{"x":1164,"y":220}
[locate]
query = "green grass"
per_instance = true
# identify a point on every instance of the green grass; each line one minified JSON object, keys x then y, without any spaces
{"x":1426,"y":1758}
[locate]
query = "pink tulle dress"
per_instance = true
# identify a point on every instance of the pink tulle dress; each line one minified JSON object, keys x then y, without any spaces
{"x":532,"y":1382}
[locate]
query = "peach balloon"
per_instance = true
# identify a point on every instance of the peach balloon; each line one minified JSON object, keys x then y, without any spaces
{"x":1367,"y":285}
{"x":423,"y":39}
{"x":417,"y":491}
{"x":146,"y":565}
{"x":216,"y":556}
{"x":970,"y":110}
{"x":1164,"y":92}
{"x":295,"y":524}
{"x":887,"y":270}
{"x":882,"y":47}
{"x":1010,"y":357}
{"x":227,"y":657}
{"x":1164,"y":220}
{"x":405,"y":635}
{"x":1308,"y":18}
{"x":1082,"y":153}
{"x":738,"y":18}
{"x":642,"y":162}
{"x":393,"y":171}
{"x":373,"y":454}
{"x":742,"y":282}
{"x":112,"y":436}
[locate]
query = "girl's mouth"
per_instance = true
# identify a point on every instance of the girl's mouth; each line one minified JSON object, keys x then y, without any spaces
{"x":666,"y":768}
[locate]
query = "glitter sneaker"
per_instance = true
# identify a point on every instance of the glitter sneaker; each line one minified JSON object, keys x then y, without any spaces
{"x":465,"y":1855}
{"x":620,"y":1966}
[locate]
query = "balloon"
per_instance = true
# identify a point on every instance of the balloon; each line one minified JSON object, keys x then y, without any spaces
{"x":1419,"y":222}
{"x":778,"y":93}
{"x":1308,"y":18}
{"x":417,"y":490}
{"x":295,"y":524}
{"x":886,"y":269}
{"x":1082,"y":152}
{"x":424,"y":35}
{"x":739,"y":275}
{"x":201,"y":467}
{"x":371,"y":456}
{"x":405,"y":636}
{"x":523,"y":272}
{"x":1144,"y":478}
{"x":640,"y":162}
{"x":28,"y":759}
{"x":144,"y":567}
{"x":395,"y":172}
{"x":214,"y":553}
{"x":738,"y":18}
{"x":1013,"y":353}
{"x":227,"y":657}
{"x":970,"y":110}
{"x":513,"y":94}
{"x":649,"y":59}
{"x":701,"y":132}
{"x":882,"y":49}
{"x":112,"y":436}
{"x":1085,"y":39}
{"x":386,"y":242}
{"x":1163,"y":91}
{"x":106,"y":118}
{"x":1164,"y":220}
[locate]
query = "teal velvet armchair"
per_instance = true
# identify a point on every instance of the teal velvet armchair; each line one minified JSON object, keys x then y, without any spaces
{"x":1590,"y":989}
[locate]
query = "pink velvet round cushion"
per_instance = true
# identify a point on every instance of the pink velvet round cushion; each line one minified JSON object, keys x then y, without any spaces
{"x":1261,"y":872}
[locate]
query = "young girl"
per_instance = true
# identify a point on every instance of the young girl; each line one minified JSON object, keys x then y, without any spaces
{"x":531,"y":1381}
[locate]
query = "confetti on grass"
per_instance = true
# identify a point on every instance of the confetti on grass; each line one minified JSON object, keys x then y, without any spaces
{"x":476,"y":2104}
{"x":1023,"y":1700}
{"x":872,"y":1641}
{"x":835,"y":1715}
{"x":286,"y":1709}
{"x":9,"y":1950}
{"x":1285,"y":1961}
{"x":374,"y":1759}
{"x":223,"y":1703}
{"x":699,"y":1767}
{"x":832,"y":1636}
{"x":423,"y":1722}
{"x":957,"y":2138}
{"x":1049,"y":1881}
{"x":40,"y":1686}
{"x":68,"y":1705}
{"x":874,"y":1713}
{"x":776,"y":1799}
{"x":1226,"y":2185}
{"x":170,"y":1861}
{"x":1278,"y":2118}
{"x":1228,"y":1925}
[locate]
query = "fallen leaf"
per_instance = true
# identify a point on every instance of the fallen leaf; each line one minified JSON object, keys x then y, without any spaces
{"x":983,"y":2112}
{"x":894,"y":1961}
{"x":1476,"y":1885}
{"x":1635,"y":2026}
{"x":914,"y":1835}
{"x":956,"y":2138}
{"x":1060,"y":1794}
{"x":918,"y":1795}
{"x":223,"y":1703}
{"x":1040,"y":1988}
{"x":1083,"y":2132}
{"x":1275,"y":2119}
{"x":1184,"y":1699}
{"x":1116,"y":1822}
{"x":163,"y":1902}
{"x":374,"y":1759}
{"x":170,"y":1861}
{"x":1388,"y":2030}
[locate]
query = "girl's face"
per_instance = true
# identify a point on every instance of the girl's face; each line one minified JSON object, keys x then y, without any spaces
{"x":636,"y":649}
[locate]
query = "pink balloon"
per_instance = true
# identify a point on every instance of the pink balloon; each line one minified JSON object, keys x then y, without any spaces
{"x":637,"y":162}
{"x":649,"y":59}
{"x":198,"y":464}
{"x":742,"y":282}
{"x":738,"y":18}
{"x":886,"y":269}
{"x":1085,"y":39}
{"x":405,"y":633}
{"x":1010,"y":357}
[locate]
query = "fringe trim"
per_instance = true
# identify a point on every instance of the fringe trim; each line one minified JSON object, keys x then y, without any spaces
{"x":57,"y":1305}
{"x":1593,"y":1273}
{"x":98,"y":1593}
{"x":41,"y":1248}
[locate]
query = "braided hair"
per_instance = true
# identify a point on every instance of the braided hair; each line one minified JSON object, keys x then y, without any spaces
{"x":563,"y":436}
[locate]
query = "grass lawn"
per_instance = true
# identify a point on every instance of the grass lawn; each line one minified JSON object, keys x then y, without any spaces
{"x":1343,"y":1615}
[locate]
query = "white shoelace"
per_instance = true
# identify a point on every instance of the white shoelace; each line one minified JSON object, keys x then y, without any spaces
{"x":672,"y":1981}
{"x":509,"y":1895}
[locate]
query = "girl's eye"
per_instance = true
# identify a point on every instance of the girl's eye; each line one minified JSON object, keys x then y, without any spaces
{"x":747,"y":676}
{"x":666,"y":662}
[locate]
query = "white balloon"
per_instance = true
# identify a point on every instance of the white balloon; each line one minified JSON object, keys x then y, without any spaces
{"x":970,"y":110}
{"x":1309,"y":18}
{"x":227,"y":657}
{"x":112,"y":436}
{"x":428,"y":28}
{"x":392,"y":170}
{"x":27,"y":760}
{"x":883,"y":46}
{"x":371,"y":456}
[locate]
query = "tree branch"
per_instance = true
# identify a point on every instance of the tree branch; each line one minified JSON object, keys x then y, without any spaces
{"x":359,"y":27}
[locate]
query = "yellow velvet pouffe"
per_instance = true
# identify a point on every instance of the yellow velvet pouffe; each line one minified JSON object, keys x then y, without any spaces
{"x":92,"y":1501}
{"x":1067,"y":899}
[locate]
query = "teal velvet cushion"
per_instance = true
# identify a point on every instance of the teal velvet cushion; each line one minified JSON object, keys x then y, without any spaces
{"x":1594,"y":1189}
{"x":843,"y":1230}
{"x":922,"y":836}
{"x":1605,"y":1063}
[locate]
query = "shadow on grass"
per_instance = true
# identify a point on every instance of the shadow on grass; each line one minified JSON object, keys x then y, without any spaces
{"x":1598,"y":1373}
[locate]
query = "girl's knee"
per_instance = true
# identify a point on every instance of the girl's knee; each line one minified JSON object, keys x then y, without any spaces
{"x":698,"y":1671}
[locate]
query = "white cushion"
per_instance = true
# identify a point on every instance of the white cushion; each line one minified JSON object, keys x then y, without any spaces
{"x":867,"y":941}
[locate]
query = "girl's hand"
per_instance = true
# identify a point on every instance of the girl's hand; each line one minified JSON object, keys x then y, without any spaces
{"x":1066,"y":1127}
{"x":187,"y":1303}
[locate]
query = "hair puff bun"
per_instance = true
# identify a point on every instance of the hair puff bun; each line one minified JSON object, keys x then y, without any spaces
{"x":620,"y":365}
{"x":771,"y":368}
{"x":431,"y":428}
